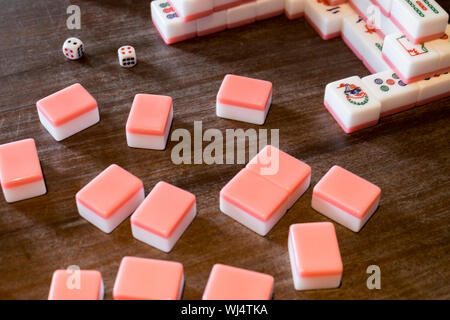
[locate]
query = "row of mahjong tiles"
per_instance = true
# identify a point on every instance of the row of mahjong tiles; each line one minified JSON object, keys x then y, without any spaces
{"x":388,"y":46}
{"x":115,"y":194}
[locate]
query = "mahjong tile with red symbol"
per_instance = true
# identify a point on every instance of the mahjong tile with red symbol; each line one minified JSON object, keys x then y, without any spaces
{"x":394,"y":95}
{"x":20,"y":171}
{"x":231,"y":283}
{"x":268,"y":8}
{"x":163,"y":216}
{"x":442,"y":47}
{"x":76,"y":285}
{"x":326,"y":19}
{"x":346,"y":198}
{"x":364,"y":41}
{"x":170,"y":26}
{"x":244,"y":99}
{"x":284,"y":170}
{"x":294,"y":8}
{"x":110,"y":198}
{"x":190,"y":10}
{"x":68,"y":111}
{"x":411,"y":62}
{"x":149,"y":121}
{"x":419,"y":21}
{"x":254,"y":201}
{"x":148,"y":279}
{"x":352,"y":104}
{"x":315,"y":256}
{"x":434,"y":88}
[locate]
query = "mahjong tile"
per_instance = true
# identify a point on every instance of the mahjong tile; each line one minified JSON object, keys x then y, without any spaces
{"x":346,"y":198}
{"x":163,"y":216}
{"x":268,"y":8}
{"x":241,"y":15}
{"x":352,"y":104}
{"x":68,"y":111}
{"x":20,"y":171}
{"x":231,"y":283}
{"x":171,"y":27}
{"x":434,"y":88}
{"x":258,"y":211}
{"x":220,"y":5}
{"x":110,"y":198}
{"x":215,"y":22}
{"x":364,"y":41}
{"x":411,"y":62}
{"x":148,"y":279}
{"x":314,"y":256}
{"x":190,"y":10}
{"x":393,"y":93}
{"x":294,"y":8}
{"x":419,"y":21}
{"x":76,"y":285}
{"x":442,"y":46}
{"x":325,"y":19}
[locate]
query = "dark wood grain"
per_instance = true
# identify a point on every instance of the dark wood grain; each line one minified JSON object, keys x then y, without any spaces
{"x":407,"y":155}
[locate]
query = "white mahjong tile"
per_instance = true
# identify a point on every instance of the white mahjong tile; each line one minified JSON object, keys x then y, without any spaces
{"x":268,"y":8}
{"x":421,"y":20}
{"x":412,"y":62}
{"x":241,"y":15}
{"x":393,"y":93}
{"x":384,"y":5}
{"x":352,"y":104}
{"x":171,"y":27}
{"x":434,"y":88}
{"x":442,"y":46}
{"x":213,"y":23}
{"x":192,"y":9}
{"x":294,"y":8}
{"x":326,"y":19}
{"x":364,"y":41}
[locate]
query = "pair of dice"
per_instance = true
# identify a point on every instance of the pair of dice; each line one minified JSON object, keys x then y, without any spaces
{"x":73,"y":49}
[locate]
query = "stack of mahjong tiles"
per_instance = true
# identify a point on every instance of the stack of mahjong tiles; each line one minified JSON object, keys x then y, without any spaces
{"x":179,"y":20}
{"x":357,"y":103}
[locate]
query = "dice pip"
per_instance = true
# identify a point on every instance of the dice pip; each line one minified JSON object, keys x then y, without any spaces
{"x":127,"y":56}
{"x":73,"y":49}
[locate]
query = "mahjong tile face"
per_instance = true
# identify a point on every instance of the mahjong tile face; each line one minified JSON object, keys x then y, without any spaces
{"x":419,"y":20}
{"x":352,"y":104}
{"x":391,"y":91}
{"x":410,"y":61}
{"x":434,"y":88}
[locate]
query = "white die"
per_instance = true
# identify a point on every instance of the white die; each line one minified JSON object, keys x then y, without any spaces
{"x":73,"y":48}
{"x":127,"y":56}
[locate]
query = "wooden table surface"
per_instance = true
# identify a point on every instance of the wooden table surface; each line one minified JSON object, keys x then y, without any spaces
{"x":407,"y":155}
